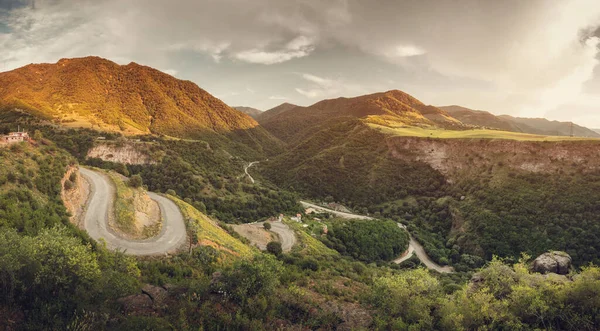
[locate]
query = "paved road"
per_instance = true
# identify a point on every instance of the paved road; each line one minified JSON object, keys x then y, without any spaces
{"x":246,"y":170}
{"x":102,"y":192}
{"x":413,"y":246}
{"x":337,"y":213}
{"x":286,"y":235}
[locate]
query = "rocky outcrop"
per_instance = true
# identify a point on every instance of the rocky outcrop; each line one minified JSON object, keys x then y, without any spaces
{"x":156,"y":293}
{"x":127,"y":154}
{"x":136,"y":303}
{"x":553,"y":262}
{"x":152,"y":298}
{"x":74,"y":194}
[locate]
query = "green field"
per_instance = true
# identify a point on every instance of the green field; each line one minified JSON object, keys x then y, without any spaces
{"x":468,"y":134}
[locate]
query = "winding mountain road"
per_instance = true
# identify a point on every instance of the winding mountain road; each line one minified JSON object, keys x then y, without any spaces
{"x":413,"y":247}
{"x":286,"y":235}
{"x":99,"y":205}
{"x":246,"y":170}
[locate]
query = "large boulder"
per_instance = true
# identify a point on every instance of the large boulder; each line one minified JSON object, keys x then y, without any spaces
{"x":136,"y":303}
{"x":156,"y":293}
{"x":553,"y":262}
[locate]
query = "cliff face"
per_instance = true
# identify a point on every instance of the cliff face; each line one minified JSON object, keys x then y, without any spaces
{"x":74,"y":195}
{"x":127,"y":154}
{"x":452,"y":156}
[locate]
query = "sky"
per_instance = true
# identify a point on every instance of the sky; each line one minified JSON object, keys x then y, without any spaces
{"x":534,"y":58}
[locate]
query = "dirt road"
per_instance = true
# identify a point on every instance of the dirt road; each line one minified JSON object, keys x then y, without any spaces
{"x":286,"y":235}
{"x":246,"y":170}
{"x":413,"y":246}
{"x":99,"y":205}
{"x":259,"y":237}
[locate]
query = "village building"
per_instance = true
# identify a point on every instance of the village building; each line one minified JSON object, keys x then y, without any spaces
{"x":15,"y":137}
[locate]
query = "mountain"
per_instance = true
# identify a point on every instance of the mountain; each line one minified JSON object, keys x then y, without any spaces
{"x":252,"y":112}
{"x":518,"y":124}
{"x":135,"y":98}
{"x":291,"y":124}
{"x":554,"y":128}
{"x":480,"y":118}
{"x":275,"y":111}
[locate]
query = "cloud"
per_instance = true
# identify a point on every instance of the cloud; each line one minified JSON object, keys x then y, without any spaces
{"x":322,"y":87}
{"x":298,"y":47}
{"x":527,"y":57}
{"x":277,"y":97}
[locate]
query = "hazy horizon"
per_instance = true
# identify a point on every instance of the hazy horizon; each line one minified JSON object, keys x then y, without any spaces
{"x":526,"y":59}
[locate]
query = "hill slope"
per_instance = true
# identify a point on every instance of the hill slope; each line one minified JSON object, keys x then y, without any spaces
{"x":264,"y":116}
{"x":391,"y":106}
{"x":517,"y":124}
{"x":134,"y":97}
{"x":252,"y":112}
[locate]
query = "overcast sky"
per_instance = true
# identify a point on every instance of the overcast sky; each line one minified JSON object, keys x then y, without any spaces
{"x":533,"y":58}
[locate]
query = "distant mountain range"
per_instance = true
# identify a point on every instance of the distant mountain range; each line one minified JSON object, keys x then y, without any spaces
{"x":133,"y":98}
{"x":540,"y":126}
{"x":289,"y":122}
{"x":252,"y":112}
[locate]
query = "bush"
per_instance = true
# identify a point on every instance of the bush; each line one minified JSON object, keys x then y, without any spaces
{"x":309,"y":264}
{"x":69,"y":185}
{"x":135,"y":181}
{"x":274,"y":247}
{"x":267,"y":226}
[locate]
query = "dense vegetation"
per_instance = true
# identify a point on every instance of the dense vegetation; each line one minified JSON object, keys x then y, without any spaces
{"x":207,"y":173}
{"x":462,"y":217}
{"x":52,"y":276}
{"x":367,"y":240}
{"x":349,"y":162}
{"x":30,"y":187}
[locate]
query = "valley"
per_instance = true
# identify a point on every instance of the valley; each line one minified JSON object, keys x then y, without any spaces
{"x":395,"y":214}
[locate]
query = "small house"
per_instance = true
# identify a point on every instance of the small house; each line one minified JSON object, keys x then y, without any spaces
{"x":15,"y":137}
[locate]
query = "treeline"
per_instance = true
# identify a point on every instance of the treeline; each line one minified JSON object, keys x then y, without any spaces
{"x":367,"y":240}
{"x":533,"y":213}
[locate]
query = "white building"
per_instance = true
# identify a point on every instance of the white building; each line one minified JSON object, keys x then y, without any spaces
{"x":15,"y":137}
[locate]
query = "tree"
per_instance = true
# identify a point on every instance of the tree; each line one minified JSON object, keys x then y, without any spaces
{"x":135,"y":181}
{"x":274,"y":248}
{"x":248,"y":278}
{"x":267,"y":226}
{"x":37,"y":135}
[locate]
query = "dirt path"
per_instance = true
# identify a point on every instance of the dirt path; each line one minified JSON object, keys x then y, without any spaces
{"x":413,"y":247}
{"x":258,"y":236}
{"x":95,"y":220}
{"x":246,"y":170}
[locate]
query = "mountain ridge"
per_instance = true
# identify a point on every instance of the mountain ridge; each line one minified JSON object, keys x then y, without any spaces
{"x":252,"y":112}
{"x":94,"y":90}
{"x":540,"y":125}
{"x":292,"y":124}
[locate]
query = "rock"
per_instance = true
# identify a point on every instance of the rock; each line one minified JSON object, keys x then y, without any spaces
{"x":136,"y":302}
{"x":156,"y":293}
{"x":552,"y":262}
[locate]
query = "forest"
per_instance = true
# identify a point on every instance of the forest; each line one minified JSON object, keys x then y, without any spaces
{"x":367,"y":240}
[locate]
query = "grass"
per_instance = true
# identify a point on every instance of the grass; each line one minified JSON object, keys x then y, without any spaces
{"x":307,"y":244}
{"x":207,"y":232}
{"x":468,"y":134}
{"x":124,"y":205}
